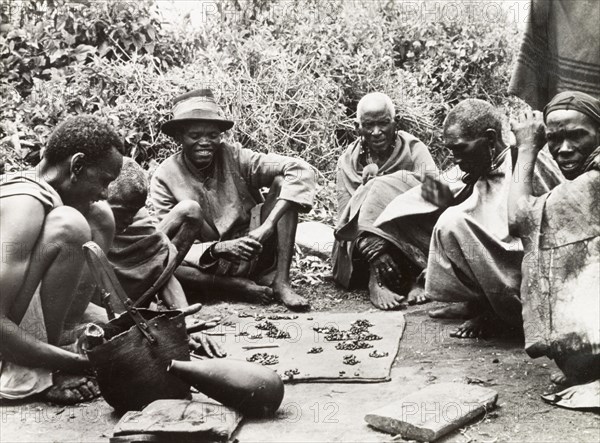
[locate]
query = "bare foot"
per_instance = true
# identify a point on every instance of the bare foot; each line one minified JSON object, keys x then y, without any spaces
{"x":69,"y":389}
{"x":461,"y":310}
{"x":560,"y":379}
{"x":578,"y":367}
{"x":382,"y":297}
{"x":245,"y":289}
{"x":417,"y":295}
{"x":290,"y":298}
{"x":257,"y":294}
{"x":477,"y":327}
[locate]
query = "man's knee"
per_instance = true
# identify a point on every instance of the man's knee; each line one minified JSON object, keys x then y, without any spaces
{"x":66,"y":225}
{"x":449,"y":224}
{"x":102,"y":222}
{"x":189,"y":211}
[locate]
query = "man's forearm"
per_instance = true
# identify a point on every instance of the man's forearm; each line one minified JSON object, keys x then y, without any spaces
{"x":18,"y":346}
{"x":522,"y":183}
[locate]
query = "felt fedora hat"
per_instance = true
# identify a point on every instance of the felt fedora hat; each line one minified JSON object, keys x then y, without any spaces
{"x":193,"y":106}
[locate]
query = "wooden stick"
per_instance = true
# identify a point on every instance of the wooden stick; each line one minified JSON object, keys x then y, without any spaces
{"x":247,"y":348}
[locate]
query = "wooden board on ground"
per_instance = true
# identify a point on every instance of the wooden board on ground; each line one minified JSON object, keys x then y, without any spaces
{"x":178,"y":420}
{"x":432,"y":412}
{"x":295,"y":363}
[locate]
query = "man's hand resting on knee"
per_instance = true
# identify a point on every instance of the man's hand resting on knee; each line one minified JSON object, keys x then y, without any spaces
{"x":245,"y":248}
{"x":388,"y":272}
{"x":263,"y":232}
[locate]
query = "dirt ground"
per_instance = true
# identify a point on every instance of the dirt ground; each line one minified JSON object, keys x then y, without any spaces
{"x":334,"y":412}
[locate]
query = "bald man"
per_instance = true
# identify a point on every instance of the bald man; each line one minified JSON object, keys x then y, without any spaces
{"x":383,"y":163}
{"x":561,"y":237}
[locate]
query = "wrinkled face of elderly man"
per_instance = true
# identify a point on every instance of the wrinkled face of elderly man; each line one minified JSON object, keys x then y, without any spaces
{"x":376,"y":124}
{"x":472,"y":155}
{"x":572,"y":136}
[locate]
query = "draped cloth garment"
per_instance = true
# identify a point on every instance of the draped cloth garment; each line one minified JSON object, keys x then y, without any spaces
{"x":360,"y":205}
{"x":561,"y":270}
{"x":472,"y":256}
{"x":561,"y":276}
{"x":560,"y":51}
{"x":140,"y":254}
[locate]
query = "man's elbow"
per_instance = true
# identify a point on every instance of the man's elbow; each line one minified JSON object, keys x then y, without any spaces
{"x":306,"y":173}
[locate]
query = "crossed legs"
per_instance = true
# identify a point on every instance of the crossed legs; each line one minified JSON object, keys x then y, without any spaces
{"x":183,"y":225}
{"x":194,"y":279}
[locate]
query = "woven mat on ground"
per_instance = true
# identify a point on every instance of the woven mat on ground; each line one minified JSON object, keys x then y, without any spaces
{"x":294,"y":361}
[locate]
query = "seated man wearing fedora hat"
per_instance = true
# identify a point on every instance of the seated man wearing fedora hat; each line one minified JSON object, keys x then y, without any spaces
{"x":245,"y":245}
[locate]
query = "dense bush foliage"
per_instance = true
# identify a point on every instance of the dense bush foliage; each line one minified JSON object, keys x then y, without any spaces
{"x":289,"y":73}
{"x":58,"y":33}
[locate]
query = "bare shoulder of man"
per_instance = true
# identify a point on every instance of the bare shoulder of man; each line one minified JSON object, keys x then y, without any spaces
{"x":22,"y":221}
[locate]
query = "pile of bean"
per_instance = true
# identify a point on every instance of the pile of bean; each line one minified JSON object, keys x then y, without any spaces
{"x":359,"y":331}
{"x":351,"y":359}
{"x":326,"y":330}
{"x":315,"y":350}
{"x":272,"y":330}
{"x":360,"y":326}
{"x":337,"y":335}
{"x":352,"y":345}
{"x":257,"y":317}
{"x":369,"y":337}
{"x":376,"y":354}
{"x":291,"y":372}
{"x":264,"y":358}
{"x":282,"y":317}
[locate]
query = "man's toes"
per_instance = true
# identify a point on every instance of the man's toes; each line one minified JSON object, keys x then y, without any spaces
{"x":64,"y":396}
{"x":422,"y":299}
{"x":558,"y":378}
{"x":399,"y":298}
{"x":264,"y":299}
{"x":298,"y":304}
{"x":87,"y":393}
{"x":72,"y":395}
{"x":379,"y":304}
{"x":461,"y":332}
{"x":437,"y":313}
{"x":93,"y":387}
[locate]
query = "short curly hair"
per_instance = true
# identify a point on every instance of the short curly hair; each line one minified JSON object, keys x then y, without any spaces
{"x":474,"y":117}
{"x":131,"y":186}
{"x":87,"y":134}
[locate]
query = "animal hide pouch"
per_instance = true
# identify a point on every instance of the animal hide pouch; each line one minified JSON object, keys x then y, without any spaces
{"x":131,"y":361}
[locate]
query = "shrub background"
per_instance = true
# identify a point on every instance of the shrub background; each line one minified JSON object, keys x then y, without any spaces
{"x":289,"y":73}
